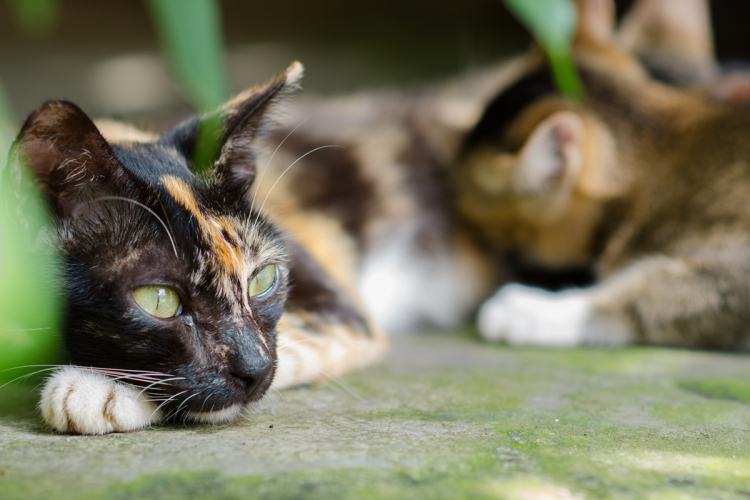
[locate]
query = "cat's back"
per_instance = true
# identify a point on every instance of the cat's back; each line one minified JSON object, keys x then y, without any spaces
{"x":687,"y":161}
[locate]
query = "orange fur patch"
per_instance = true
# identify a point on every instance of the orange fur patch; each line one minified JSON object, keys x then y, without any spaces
{"x":227,"y":255}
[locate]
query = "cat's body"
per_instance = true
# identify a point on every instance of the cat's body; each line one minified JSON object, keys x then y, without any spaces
{"x":646,"y":182}
{"x":379,"y":194}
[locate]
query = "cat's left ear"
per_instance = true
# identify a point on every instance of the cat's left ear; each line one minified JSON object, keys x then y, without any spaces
{"x":236,"y":125}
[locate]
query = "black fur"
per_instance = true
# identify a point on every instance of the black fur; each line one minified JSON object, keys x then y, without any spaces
{"x":120,"y":229}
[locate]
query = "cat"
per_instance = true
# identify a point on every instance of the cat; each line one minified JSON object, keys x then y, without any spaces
{"x":643,"y":181}
{"x":363,"y":240}
{"x":183,"y":300}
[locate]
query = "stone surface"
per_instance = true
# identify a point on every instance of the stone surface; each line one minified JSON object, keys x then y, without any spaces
{"x":445,"y":417}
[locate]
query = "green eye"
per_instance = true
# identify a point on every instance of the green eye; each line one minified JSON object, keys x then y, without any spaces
{"x":263,"y":281}
{"x":158,"y":301}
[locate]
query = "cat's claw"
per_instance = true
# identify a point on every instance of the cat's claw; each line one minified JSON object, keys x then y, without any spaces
{"x":84,"y":402}
{"x":520,"y":315}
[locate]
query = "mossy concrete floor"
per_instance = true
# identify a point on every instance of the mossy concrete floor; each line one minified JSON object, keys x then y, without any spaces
{"x":445,"y":417}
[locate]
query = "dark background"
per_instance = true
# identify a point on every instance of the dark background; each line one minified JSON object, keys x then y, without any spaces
{"x":104,"y":54}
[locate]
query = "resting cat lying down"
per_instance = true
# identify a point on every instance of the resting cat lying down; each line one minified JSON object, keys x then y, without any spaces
{"x":645,"y":182}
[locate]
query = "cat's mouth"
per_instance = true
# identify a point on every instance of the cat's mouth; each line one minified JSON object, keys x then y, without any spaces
{"x":217,"y":417}
{"x":212,"y":398}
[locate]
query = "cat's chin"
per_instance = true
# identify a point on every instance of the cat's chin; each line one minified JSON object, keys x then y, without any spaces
{"x":219,"y":416}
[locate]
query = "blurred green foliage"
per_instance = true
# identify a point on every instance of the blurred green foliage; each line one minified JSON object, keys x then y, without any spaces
{"x":7,"y":126}
{"x":29,"y":300}
{"x":190,"y":32}
{"x":35,"y":18}
{"x":553,"y":24}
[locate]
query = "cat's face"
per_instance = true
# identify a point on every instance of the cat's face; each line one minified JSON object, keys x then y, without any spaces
{"x":524,"y":187}
{"x":168,"y":270}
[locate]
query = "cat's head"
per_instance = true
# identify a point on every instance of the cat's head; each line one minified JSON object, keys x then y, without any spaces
{"x":537,"y":170}
{"x":169,"y":269}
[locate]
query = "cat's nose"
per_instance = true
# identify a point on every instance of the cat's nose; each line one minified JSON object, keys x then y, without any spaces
{"x":251,"y":374}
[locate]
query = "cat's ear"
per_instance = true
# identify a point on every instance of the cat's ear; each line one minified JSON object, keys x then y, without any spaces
{"x":676,"y":28}
{"x":596,"y":20}
{"x":66,"y":153}
{"x":733,"y":86}
{"x":552,"y":157}
{"x":237,"y":124}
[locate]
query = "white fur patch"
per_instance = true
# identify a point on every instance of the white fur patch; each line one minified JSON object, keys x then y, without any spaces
{"x":218,"y":416}
{"x":79,"y":400}
{"x":521,"y":315}
{"x":404,"y":291}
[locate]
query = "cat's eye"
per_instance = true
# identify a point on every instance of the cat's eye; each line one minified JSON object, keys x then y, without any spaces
{"x":263,"y":281}
{"x":158,"y":301}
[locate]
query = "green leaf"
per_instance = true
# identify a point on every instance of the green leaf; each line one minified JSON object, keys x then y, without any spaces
{"x":6,"y":127}
{"x":190,"y":32}
{"x":29,"y":303}
{"x":36,"y":18}
{"x":553,"y":24}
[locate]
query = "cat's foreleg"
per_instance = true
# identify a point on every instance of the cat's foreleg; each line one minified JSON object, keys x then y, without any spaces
{"x":312,"y":349}
{"x":695,"y":301}
{"x":521,"y":315}
{"x":81,"y":401}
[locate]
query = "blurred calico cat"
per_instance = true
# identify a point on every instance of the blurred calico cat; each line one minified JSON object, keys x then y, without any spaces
{"x":645,"y":182}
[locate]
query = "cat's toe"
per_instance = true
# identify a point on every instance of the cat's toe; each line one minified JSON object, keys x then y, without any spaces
{"x":84,"y":402}
{"x":523,"y":315}
{"x":493,"y":320}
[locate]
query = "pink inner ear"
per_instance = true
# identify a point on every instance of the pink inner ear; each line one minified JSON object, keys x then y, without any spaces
{"x":552,"y":153}
{"x":732,"y":88}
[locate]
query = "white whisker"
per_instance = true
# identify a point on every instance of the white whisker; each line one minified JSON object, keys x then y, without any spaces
{"x":262,"y":174}
{"x":257,"y":217}
{"x":165,"y":402}
{"x":160,"y":382}
{"x":177,"y":411}
{"x":120,"y":198}
{"x":344,"y":386}
{"x":25,"y":329}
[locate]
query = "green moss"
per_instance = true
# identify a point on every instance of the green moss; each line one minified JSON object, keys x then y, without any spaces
{"x":476,"y":421}
{"x":733,"y":390}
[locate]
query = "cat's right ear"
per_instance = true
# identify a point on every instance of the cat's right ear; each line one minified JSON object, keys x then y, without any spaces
{"x":237,"y":124}
{"x":66,"y":153}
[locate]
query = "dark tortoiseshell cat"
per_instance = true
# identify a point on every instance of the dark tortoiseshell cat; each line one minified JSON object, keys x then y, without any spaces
{"x":646,"y":182}
{"x":173,"y":280}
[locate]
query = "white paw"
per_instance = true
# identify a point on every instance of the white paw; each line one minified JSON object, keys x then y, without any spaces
{"x":519,"y":315}
{"x":85,"y":402}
